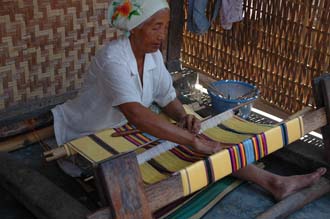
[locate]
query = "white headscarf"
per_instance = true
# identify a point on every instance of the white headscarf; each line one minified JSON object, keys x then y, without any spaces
{"x":128,"y":14}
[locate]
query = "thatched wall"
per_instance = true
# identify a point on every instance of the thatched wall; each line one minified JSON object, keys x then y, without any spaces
{"x":280,"y":46}
{"x":45,"y":48}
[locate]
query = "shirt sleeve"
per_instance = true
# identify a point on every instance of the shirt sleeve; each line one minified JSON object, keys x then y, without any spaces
{"x":165,"y":93}
{"x":118,"y":84}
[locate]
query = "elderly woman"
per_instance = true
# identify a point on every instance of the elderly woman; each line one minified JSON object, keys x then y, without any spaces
{"x":125,"y":78}
{"x":128,"y":75}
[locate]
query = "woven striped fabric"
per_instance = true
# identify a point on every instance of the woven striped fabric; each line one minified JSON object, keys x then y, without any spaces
{"x":100,"y":146}
{"x":223,"y":163}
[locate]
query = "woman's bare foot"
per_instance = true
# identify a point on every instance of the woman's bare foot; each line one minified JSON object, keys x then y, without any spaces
{"x":288,"y":185}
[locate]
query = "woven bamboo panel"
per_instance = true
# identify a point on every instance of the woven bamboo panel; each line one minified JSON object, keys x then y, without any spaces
{"x":46,"y":46}
{"x":280,"y":46}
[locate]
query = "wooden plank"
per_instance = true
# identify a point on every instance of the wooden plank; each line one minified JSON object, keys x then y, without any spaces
{"x":123,"y":187}
{"x":321,"y":89}
{"x":25,"y":126}
{"x":175,"y":36}
{"x":296,"y":201}
{"x":164,"y":192}
{"x":158,"y":196}
{"x":314,"y":120}
{"x":42,"y":197}
{"x":20,"y":141}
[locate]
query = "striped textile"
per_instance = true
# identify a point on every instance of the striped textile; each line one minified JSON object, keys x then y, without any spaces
{"x":223,"y":163}
{"x":100,"y":146}
{"x":202,"y":201}
{"x":198,"y":204}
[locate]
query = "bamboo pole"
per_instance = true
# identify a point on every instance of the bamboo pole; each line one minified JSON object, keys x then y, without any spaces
{"x":16,"y":142}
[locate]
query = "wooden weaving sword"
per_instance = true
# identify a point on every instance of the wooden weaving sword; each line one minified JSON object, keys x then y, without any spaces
{"x":209,"y":123}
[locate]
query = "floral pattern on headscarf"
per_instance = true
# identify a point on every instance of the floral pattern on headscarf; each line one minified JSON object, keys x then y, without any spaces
{"x":128,"y":8}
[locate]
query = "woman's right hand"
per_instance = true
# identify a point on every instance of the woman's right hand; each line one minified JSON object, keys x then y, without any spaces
{"x":209,"y":146}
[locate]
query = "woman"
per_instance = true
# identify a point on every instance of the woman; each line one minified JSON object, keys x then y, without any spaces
{"x":128,"y":75}
{"x":125,"y":78}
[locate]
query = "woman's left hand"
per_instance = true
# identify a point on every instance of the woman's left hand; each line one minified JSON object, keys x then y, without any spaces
{"x":191,"y":123}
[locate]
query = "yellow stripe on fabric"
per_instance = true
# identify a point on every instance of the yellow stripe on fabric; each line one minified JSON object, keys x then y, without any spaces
{"x":221,"y":164}
{"x":185,"y":182}
{"x":243,"y":126}
{"x":274,"y":139}
{"x":225,"y":136}
{"x":89,"y":149}
{"x":150,"y":175}
{"x":193,"y":177}
{"x":294,"y":128}
{"x":171,"y":162}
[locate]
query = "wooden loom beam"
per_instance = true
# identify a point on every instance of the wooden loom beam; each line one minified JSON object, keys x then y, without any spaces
{"x":169,"y":190}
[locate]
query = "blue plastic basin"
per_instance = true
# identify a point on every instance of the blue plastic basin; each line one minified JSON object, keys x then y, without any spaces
{"x":231,"y":90}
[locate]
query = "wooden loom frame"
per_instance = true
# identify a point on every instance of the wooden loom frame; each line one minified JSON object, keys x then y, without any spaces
{"x":118,"y":176}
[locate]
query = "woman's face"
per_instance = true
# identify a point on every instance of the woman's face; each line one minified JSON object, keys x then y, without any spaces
{"x":149,"y":37}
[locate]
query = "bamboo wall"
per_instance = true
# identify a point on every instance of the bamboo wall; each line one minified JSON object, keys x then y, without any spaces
{"x":280,"y":46}
{"x":46,"y":45}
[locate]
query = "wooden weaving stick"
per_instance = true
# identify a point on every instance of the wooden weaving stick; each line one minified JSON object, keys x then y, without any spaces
{"x":124,"y":133}
{"x":61,"y":152}
{"x":209,"y":123}
{"x":297,"y":200}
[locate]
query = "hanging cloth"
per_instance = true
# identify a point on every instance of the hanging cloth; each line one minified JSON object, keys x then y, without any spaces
{"x":230,"y":11}
{"x":197,"y":21}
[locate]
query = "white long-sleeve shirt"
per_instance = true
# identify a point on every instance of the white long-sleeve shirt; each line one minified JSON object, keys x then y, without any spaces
{"x":112,"y":79}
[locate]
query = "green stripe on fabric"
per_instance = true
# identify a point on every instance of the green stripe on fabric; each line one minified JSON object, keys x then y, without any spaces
{"x":204,"y":198}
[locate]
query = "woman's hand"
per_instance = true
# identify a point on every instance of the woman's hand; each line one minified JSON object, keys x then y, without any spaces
{"x":191,"y":123}
{"x":209,"y":146}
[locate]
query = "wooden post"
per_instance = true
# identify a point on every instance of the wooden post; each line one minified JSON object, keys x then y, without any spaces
{"x":123,"y":187}
{"x":175,"y":35}
{"x":321,"y":89}
{"x":158,"y":195}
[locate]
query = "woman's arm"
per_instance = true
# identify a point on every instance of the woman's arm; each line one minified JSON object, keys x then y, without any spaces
{"x":147,"y":121}
{"x":176,"y":111}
